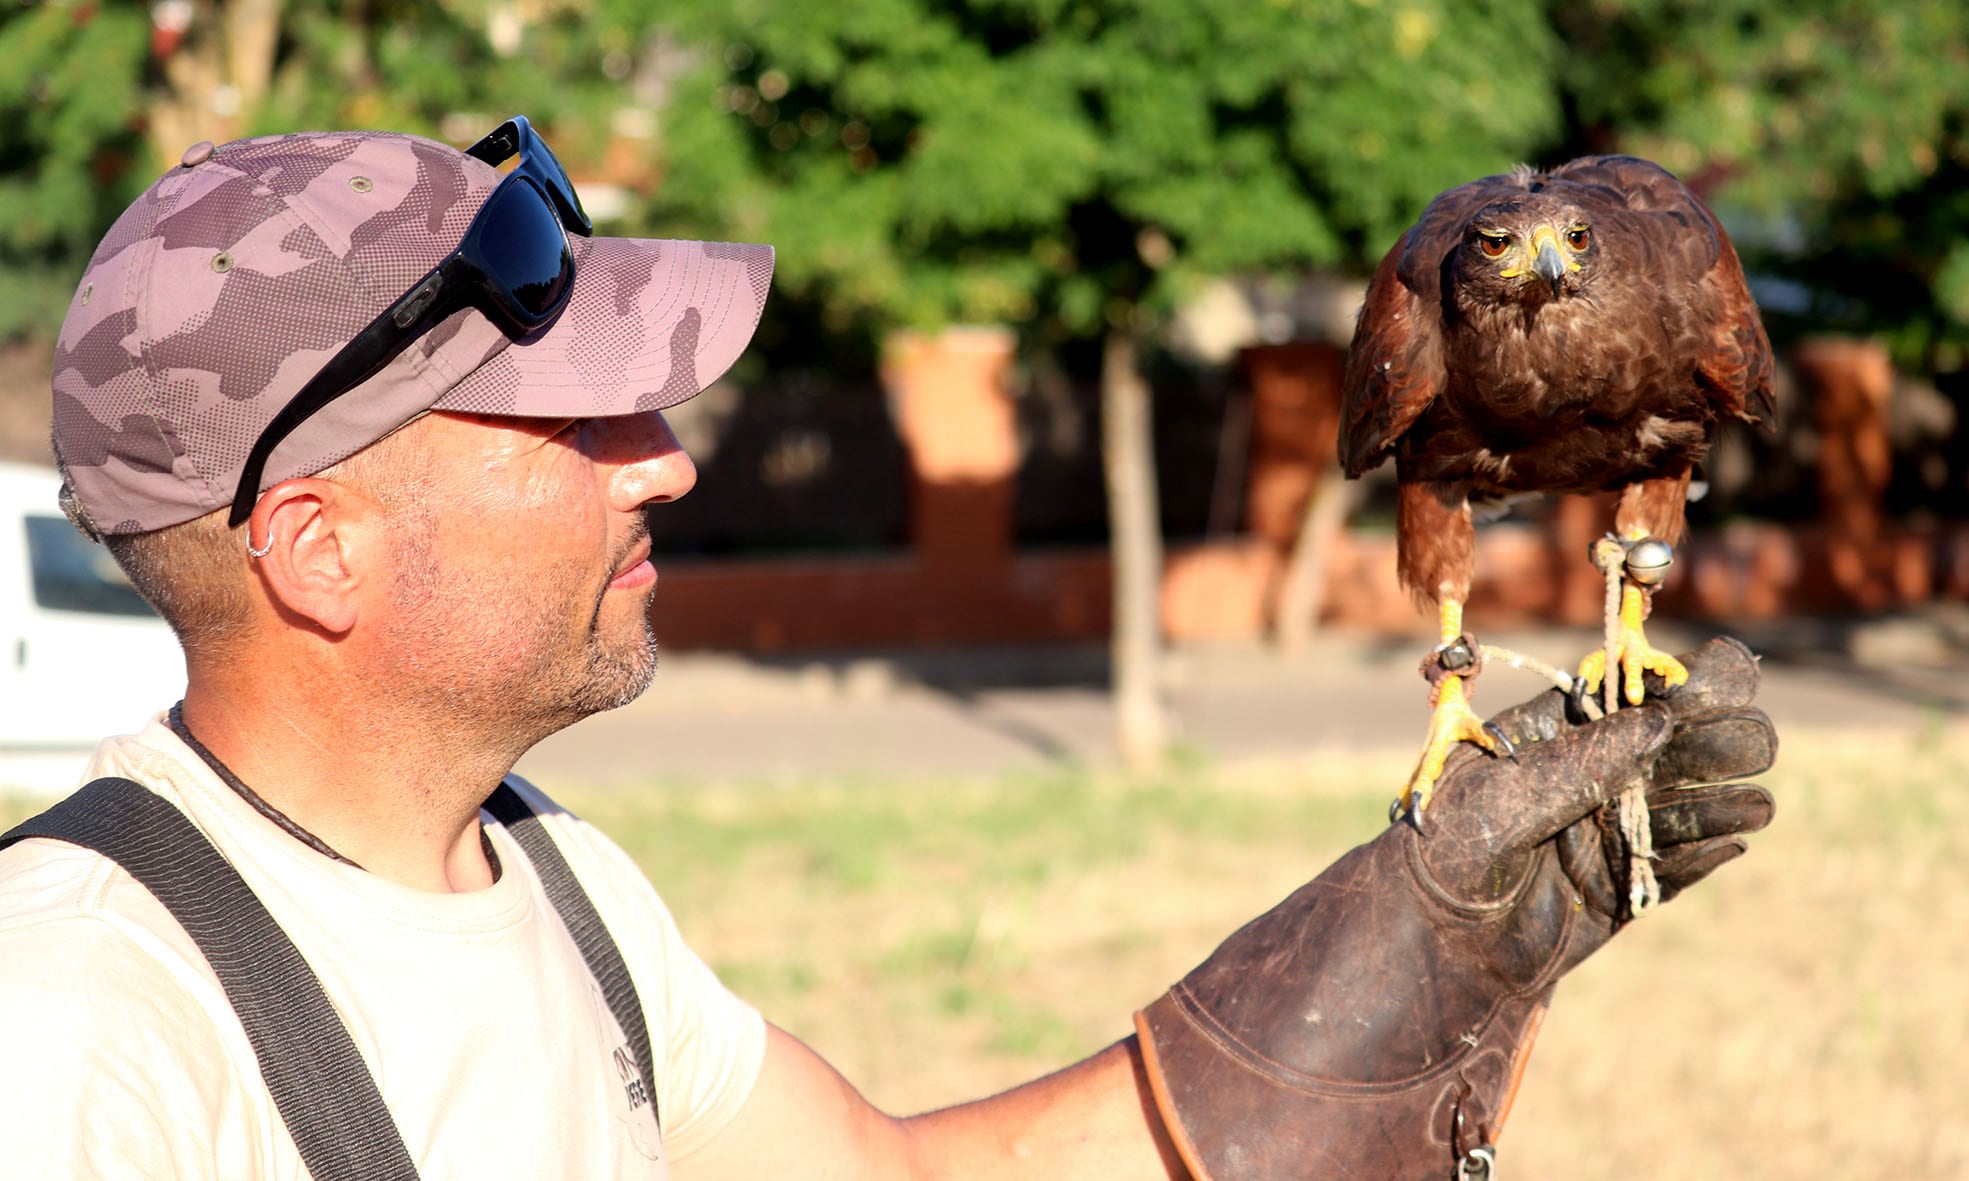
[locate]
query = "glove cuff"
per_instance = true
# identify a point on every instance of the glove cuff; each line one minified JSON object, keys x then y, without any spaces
{"x":1236,"y":1115}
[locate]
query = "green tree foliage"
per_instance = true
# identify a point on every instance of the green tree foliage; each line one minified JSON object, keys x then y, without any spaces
{"x":1040,"y":160}
{"x":70,"y":78}
{"x":1840,"y":131}
{"x":97,"y":96}
{"x":1030,"y":160}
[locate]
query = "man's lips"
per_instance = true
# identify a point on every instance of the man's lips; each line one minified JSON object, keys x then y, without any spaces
{"x":635,"y":573}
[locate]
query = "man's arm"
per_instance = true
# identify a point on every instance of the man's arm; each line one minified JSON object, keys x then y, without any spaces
{"x":1093,"y":1119}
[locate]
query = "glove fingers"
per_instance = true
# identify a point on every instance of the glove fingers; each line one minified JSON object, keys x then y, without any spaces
{"x":1719,"y":745}
{"x":1683,"y":866}
{"x":1576,"y":773}
{"x":1586,"y":851}
{"x":1722,"y":675}
{"x":1692,"y":815}
{"x":1695,"y":830}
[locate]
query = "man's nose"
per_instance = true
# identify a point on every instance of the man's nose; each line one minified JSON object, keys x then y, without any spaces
{"x":648,"y":465}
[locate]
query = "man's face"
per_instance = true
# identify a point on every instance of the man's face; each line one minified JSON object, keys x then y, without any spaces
{"x":522,"y":576}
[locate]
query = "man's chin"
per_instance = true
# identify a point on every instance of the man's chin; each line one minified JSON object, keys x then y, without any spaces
{"x":616,"y":679}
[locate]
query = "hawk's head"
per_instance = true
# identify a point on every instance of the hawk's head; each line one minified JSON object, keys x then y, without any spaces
{"x":1526,"y":249}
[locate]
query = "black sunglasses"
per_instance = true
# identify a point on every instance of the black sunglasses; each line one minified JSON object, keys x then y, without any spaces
{"x":513,"y":265}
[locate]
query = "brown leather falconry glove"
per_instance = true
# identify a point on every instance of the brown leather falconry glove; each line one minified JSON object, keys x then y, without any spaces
{"x":1375,"y":1023}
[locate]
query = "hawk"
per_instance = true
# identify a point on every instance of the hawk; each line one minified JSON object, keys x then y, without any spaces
{"x":1578,"y":330}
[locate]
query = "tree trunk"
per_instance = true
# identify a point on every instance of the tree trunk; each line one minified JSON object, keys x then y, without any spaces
{"x":216,"y":77}
{"x":1302,"y":593}
{"x":1135,"y":541}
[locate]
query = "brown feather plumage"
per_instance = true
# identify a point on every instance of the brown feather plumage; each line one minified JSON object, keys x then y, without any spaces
{"x":1482,"y":382}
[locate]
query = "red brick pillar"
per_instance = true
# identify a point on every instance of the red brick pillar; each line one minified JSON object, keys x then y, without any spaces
{"x":957,"y":424}
{"x":1295,"y":431}
{"x":1850,"y":382}
{"x":1575,"y":590}
{"x":1297,"y":501}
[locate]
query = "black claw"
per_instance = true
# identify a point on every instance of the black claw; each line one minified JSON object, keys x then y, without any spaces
{"x":1504,"y":740}
{"x":1398,"y":814}
{"x":1577,"y":697}
{"x":1654,"y":685}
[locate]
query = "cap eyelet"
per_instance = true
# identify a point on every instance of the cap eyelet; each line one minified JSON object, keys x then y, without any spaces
{"x":222,"y":261}
{"x":361,"y":184}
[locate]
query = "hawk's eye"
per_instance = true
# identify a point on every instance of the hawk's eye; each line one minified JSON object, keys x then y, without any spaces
{"x":1579,"y":237}
{"x":1493,"y":244}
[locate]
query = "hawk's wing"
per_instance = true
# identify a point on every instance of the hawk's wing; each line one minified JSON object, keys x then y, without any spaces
{"x":1395,"y":364}
{"x":1735,"y":363}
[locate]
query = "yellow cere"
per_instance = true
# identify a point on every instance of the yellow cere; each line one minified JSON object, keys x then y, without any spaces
{"x":1539,"y":238}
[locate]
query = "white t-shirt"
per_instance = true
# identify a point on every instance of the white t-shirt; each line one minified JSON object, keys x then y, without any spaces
{"x":120,"y":1056}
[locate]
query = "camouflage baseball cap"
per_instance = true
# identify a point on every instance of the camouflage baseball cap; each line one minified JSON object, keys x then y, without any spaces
{"x":236,"y":276}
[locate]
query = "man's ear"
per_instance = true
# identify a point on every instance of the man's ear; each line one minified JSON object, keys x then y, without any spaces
{"x":310,"y":542}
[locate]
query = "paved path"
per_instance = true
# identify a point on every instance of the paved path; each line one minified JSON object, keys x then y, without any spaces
{"x":991,"y":712}
{"x":986,"y":712}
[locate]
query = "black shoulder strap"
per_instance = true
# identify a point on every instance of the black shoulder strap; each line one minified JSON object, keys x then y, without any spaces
{"x":319,"y":1082}
{"x":578,"y":912}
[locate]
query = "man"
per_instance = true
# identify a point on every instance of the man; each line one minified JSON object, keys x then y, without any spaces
{"x":376,"y":429}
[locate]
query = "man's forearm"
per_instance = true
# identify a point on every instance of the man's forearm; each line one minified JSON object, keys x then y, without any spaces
{"x":1093,"y":1119}
{"x":1096,"y":1118}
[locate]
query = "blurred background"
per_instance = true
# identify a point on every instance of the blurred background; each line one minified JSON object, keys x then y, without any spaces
{"x":1045,"y":399}
{"x":992,"y":216}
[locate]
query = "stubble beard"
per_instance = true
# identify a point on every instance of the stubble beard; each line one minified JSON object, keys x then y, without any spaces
{"x":515,"y":669}
{"x":615,"y":675}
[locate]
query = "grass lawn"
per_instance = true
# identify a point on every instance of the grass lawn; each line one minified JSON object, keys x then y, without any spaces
{"x":1802,"y":1014}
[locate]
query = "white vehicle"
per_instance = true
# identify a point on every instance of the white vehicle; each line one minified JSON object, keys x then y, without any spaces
{"x":84,"y":656}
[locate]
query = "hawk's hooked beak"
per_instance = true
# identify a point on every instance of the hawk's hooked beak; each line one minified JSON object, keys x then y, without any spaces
{"x":1549,"y":265}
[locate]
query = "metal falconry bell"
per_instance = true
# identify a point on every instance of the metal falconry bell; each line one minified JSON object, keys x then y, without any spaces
{"x":1648,"y":561}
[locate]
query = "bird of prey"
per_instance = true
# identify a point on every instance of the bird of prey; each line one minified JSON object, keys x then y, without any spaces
{"x":1578,"y":330}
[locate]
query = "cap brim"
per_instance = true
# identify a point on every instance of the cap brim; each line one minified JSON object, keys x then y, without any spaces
{"x":650,"y":323}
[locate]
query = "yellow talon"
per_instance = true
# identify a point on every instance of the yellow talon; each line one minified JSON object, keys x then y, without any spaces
{"x":1635,"y":655}
{"x":1452,"y":722}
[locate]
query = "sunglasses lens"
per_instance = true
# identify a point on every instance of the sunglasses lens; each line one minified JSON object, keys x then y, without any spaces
{"x":546,"y":167}
{"x":524,"y":251}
